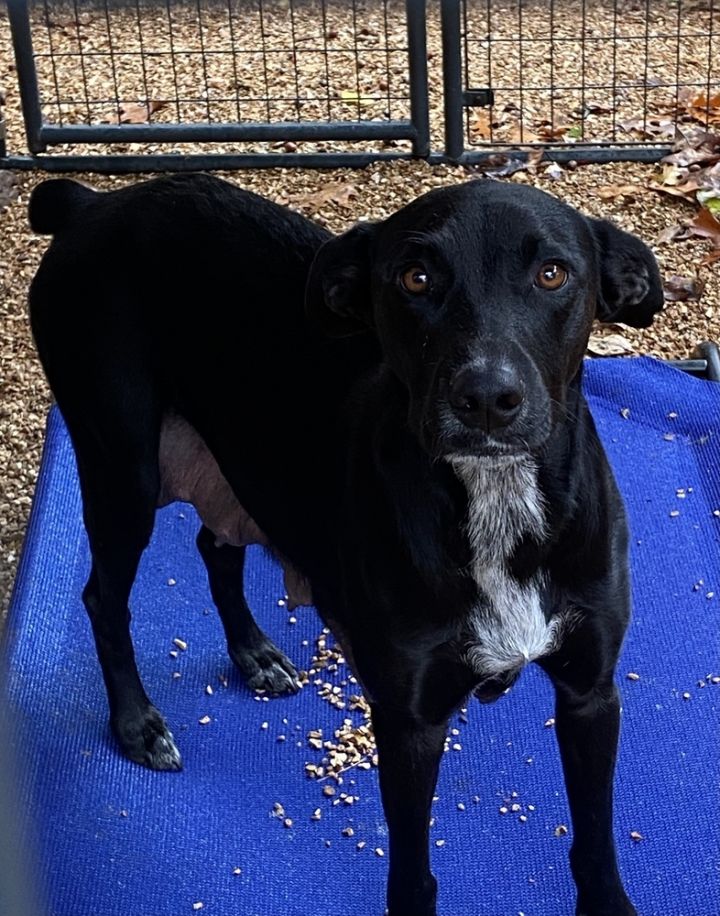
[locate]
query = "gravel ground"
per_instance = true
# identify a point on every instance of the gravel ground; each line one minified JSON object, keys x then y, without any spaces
{"x":336,"y":198}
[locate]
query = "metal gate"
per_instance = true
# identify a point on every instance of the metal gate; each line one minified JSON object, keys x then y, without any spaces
{"x":596,"y":80}
{"x":276,"y":82}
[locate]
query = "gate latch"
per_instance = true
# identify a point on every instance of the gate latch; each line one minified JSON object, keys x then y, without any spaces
{"x":478,"y":98}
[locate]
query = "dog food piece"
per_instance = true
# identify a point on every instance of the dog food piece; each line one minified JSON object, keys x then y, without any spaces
{"x":287,"y":822}
{"x":634,"y":835}
{"x":198,"y":905}
{"x":379,"y":852}
{"x":632,"y":676}
{"x":205,"y":720}
{"x":348,"y":831}
{"x":439,"y":843}
{"x":549,"y":723}
{"x":361,"y":844}
{"x":278,"y":810}
{"x":561,"y":830}
{"x":316,"y":815}
{"x":237,"y":871}
{"x":180,"y":643}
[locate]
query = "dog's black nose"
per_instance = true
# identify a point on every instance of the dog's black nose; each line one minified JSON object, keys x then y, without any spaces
{"x":486,"y":398}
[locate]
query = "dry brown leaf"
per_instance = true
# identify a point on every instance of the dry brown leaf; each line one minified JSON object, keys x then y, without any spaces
{"x":609,"y":345}
{"x":705,"y":226}
{"x":612,"y":191}
{"x":481,"y":124}
{"x":135,"y":113}
{"x":670,"y":234}
{"x":339,"y":193}
{"x":680,"y":289}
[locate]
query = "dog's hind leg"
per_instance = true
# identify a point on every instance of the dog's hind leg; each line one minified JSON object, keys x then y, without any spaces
{"x":262,"y":664}
{"x":119,"y":482}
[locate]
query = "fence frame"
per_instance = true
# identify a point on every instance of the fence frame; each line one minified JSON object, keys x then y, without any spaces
{"x":457,"y":99}
{"x":41,"y":135}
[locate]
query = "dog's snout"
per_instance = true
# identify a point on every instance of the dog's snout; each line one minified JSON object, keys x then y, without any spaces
{"x":486,"y":398}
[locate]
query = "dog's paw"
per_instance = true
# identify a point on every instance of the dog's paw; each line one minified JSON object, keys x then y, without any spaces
{"x":266,"y":668}
{"x":146,"y":739}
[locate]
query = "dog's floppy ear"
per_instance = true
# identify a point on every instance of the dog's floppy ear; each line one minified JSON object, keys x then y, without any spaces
{"x":631,"y":290}
{"x":337,"y":295}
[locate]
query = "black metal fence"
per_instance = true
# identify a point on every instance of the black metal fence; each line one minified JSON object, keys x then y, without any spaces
{"x":146,"y":84}
{"x":608,"y":78}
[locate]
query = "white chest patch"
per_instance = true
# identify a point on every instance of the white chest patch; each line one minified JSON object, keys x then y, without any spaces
{"x":508,"y":627}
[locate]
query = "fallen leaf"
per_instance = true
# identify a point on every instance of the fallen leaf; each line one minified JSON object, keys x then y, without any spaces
{"x":338,"y":193}
{"x":705,"y":226}
{"x":480,"y":124}
{"x":612,"y":191}
{"x":680,"y":289}
{"x":609,"y":345}
{"x":671,"y":234}
{"x":350,"y":95}
{"x":135,"y":113}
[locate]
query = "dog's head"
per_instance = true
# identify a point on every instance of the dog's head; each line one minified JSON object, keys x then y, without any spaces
{"x":482,"y":296}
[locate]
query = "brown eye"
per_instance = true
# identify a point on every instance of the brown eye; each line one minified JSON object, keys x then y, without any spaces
{"x":551,"y":276}
{"x":415,"y":280}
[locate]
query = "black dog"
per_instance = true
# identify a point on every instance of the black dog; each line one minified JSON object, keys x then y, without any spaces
{"x":438,"y":483}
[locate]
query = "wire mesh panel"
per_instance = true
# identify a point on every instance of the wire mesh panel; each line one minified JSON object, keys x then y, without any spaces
{"x":587,"y":72}
{"x":292,"y":74}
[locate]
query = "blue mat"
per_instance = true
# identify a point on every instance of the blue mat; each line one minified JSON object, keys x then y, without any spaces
{"x":113,"y":839}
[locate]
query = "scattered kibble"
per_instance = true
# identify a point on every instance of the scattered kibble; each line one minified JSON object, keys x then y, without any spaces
{"x":632,"y":676}
{"x":461,"y":806}
{"x":549,"y":723}
{"x":198,"y":905}
{"x":205,"y":720}
{"x":636,"y":836}
{"x":379,"y":852}
{"x":237,"y":871}
{"x":348,"y":831}
{"x":625,"y":413}
{"x":561,"y":830}
{"x":287,"y":822}
{"x":171,"y":582}
{"x":361,"y":844}
{"x":439,"y":843}
{"x":180,"y":643}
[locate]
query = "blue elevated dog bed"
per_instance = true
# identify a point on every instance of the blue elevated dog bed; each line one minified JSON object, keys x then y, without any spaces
{"x":113,"y":839}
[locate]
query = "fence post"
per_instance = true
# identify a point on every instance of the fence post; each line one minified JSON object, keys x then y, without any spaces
{"x":452,"y":78}
{"x":19,"y":16}
{"x":416,"y":14}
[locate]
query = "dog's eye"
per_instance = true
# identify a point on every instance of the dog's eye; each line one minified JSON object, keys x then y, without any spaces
{"x":415,"y":280}
{"x":551,"y":276}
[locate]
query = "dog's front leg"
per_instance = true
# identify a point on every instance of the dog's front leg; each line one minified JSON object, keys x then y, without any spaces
{"x":409,"y":751}
{"x":587,"y":724}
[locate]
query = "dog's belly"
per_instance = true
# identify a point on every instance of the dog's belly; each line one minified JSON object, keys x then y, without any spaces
{"x":189,"y":473}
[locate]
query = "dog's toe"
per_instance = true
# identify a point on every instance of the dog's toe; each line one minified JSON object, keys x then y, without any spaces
{"x":147,"y":740}
{"x":266,"y":668}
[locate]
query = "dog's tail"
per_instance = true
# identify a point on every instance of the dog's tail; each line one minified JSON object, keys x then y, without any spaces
{"x":55,"y":203}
